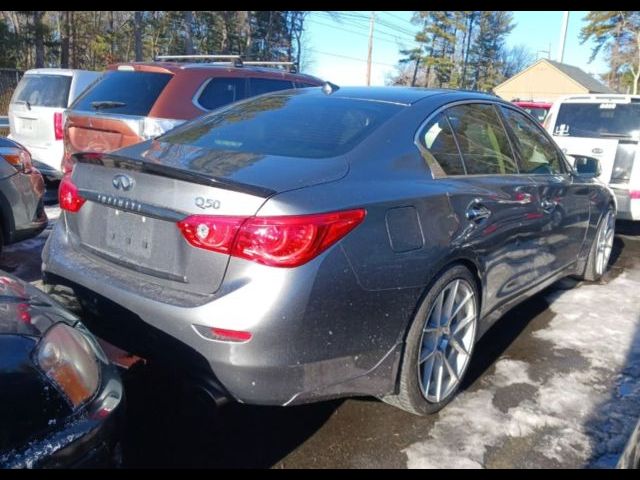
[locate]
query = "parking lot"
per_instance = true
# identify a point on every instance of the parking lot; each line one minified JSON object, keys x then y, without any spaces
{"x":556,"y":383}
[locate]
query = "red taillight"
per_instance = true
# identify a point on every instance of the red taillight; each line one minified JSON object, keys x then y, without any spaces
{"x":287,"y":241}
{"x":57,"y":125}
{"x":634,"y":194}
{"x":68,"y":196}
{"x":230,"y":335}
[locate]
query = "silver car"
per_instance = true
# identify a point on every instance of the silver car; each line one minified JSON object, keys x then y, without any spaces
{"x":37,"y":109}
{"x":22,"y":213}
{"x":325,"y":242}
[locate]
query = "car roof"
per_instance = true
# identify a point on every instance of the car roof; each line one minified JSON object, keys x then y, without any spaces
{"x":533,"y":104}
{"x":175,"y":67}
{"x":401,"y":95}
{"x":596,"y":98}
{"x":58,"y":71}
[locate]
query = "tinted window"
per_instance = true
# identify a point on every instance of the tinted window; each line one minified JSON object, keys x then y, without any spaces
{"x":43,"y":90}
{"x":483,"y":142}
{"x":305,"y":85}
{"x":538,"y":113}
{"x":132,"y":93}
{"x":295,"y":125}
{"x":537,"y":155}
{"x":266,"y":85}
{"x":437,"y":138}
{"x":222,"y":91}
{"x":596,"y":120}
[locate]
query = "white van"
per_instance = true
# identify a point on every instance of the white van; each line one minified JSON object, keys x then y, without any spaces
{"x":36,"y":113}
{"x":606,"y":127}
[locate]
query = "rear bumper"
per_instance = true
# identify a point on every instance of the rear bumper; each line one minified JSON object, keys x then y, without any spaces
{"x":628,"y":208}
{"x":49,"y":155}
{"x":300,"y":351}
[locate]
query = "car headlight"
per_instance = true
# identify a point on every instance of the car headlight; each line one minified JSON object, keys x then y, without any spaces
{"x":69,"y":360}
{"x":18,"y":158}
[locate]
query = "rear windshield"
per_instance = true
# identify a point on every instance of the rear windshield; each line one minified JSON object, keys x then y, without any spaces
{"x":123,"y":92}
{"x":43,"y":90}
{"x":537,"y":113}
{"x":292,"y":125}
{"x":598,"y":120}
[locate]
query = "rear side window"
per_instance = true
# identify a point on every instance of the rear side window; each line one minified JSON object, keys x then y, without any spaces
{"x":222,"y":91}
{"x":292,"y":125}
{"x":43,"y":90}
{"x":266,"y":85}
{"x":437,"y":138}
{"x":123,"y":92}
{"x":483,"y":142}
{"x":536,"y":153}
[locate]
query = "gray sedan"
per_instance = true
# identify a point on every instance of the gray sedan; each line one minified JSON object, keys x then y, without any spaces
{"x":327,"y":242}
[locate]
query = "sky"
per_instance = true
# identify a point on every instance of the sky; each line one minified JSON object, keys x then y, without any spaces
{"x":337,"y":51}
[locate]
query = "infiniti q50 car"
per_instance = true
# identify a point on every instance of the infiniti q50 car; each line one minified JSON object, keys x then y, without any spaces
{"x":328,"y":242}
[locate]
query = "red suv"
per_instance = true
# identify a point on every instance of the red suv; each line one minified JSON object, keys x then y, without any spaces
{"x":133,"y":102}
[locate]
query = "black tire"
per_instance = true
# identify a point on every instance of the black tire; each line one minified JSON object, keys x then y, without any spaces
{"x":410,"y":397}
{"x":591,"y":273}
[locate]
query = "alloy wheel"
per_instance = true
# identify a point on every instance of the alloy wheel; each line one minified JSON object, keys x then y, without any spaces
{"x":447,"y":341}
{"x":605,"y":243}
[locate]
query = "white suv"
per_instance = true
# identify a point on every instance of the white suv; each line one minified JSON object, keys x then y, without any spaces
{"x":606,"y":127}
{"x":36,"y":113}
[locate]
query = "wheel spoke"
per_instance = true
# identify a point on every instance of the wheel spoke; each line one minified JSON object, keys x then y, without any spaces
{"x":452,"y":372}
{"x":439,"y":371}
{"x":437,"y":310}
{"x":462,"y":324}
{"x":425,"y":355}
{"x":427,"y":371}
{"x":448,"y":309}
{"x":460,"y":305}
{"x":458,"y":345}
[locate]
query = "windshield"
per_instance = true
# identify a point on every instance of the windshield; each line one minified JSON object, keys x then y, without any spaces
{"x":597,"y":120}
{"x":38,"y":90}
{"x":537,"y":113}
{"x":292,"y":125}
{"x":123,"y":92}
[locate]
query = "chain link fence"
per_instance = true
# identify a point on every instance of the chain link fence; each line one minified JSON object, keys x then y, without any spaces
{"x":9,"y":79}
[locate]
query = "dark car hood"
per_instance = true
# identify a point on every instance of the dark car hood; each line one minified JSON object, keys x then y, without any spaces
{"x":267,"y":172}
{"x":25,"y":310}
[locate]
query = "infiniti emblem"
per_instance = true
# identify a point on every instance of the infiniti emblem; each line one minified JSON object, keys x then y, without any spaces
{"x":123,"y":182}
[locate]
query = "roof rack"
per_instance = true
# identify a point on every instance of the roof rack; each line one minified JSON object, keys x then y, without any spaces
{"x":235,"y":59}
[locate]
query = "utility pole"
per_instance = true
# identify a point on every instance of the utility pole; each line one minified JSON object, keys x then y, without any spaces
{"x":563,"y":36}
{"x":370,"y":48}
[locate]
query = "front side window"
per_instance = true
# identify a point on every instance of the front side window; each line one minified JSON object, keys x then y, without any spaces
{"x":222,"y":91}
{"x":483,"y":141}
{"x":537,"y":155}
{"x":437,"y":138}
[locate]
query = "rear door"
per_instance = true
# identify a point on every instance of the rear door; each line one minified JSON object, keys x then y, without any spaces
{"x":497,"y":204}
{"x":564,"y":202}
{"x":33,"y":105}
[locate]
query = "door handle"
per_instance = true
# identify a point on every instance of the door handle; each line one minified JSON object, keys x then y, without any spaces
{"x":477,"y":212}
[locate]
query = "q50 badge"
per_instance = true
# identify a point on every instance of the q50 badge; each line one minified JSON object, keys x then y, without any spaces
{"x":206,"y":203}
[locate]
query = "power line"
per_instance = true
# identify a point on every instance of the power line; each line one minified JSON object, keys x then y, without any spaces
{"x":350,"y":58}
{"x":410,"y":37}
{"x":395,"y":40}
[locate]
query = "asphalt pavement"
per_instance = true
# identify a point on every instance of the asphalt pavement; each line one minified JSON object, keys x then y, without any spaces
{"x":555,"y":383}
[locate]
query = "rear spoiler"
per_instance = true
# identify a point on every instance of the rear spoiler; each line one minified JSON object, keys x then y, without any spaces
{"x":111,"y":160}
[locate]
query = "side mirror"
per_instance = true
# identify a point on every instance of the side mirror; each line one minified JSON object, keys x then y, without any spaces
{"x":586,"y":166}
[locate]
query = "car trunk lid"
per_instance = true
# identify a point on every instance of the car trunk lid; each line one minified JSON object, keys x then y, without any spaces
{"x":133,"y":206}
